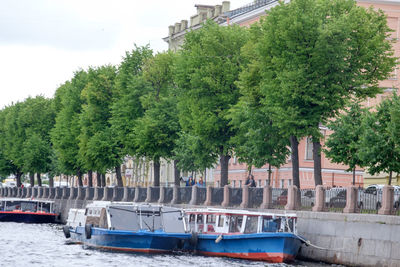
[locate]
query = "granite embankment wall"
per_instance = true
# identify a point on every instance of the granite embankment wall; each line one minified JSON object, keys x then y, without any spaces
{"x":342,"y":238}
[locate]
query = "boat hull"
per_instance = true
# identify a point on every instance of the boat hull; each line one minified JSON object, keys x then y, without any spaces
{"x":271,"y":247}
{"x":27,"y":217}
{"x":128,"y":241}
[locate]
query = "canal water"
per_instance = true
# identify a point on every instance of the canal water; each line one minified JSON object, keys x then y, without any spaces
{"x":45,"y":245}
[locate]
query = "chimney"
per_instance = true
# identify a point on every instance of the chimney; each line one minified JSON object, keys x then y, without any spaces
{"x":226,"y":5}
{"x":177,"y":27}
{"x":171,"y":30}
{"x":217,"y":10}
{"x":210,"y":13}
{"x":184,"y":25}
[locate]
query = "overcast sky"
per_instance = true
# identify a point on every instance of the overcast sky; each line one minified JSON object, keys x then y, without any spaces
{"x":43,"y":42}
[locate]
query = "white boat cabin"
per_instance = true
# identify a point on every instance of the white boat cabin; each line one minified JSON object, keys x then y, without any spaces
{"x":26,"y":205}
{"x":224,"y":221}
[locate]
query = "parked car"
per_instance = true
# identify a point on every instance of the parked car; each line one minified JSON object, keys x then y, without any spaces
{"x":282,"y":199}
{"x":371,"y":197}
{"x":307,"y":198}
{"x":339,"y":200}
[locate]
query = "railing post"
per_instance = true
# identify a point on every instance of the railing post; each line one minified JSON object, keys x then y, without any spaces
{"x":126,"y":194}
{"x":267,"y":197}
{"x":387,"y":200}
{"x":351,"y":200}
{"x":245,"y":197}
{"x":209,"y":191}
{"x":319,"y":199}
{"x":194,"y":199}
{"x":226,"y":201}
{"x":175,"y":195}
{"x":137,"y":194}
{"x":293,"y":198}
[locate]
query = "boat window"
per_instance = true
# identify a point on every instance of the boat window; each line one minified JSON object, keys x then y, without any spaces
{"x":289,"y":224}
{"x":270,"y":225}
{"x":211,"y":218}
{"x":199,"y":218}
{"x":235,"y":223}
{"x":192,"y":217}
{"x":221,"y":221}
{"x":251,"y":224}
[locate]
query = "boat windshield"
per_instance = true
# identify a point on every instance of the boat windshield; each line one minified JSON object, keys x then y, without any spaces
{"x":251,"y":224}
{"x":270,"y":224}
{"x":235,"y":223}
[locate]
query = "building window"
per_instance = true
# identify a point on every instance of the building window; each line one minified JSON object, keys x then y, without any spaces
{"x":240,"y":183}
{"x":289,"y":182}
{"x":259,"y":183}
{"x":282,"y":183}
{"x":309,"y":149}
{"x":234,"y":183}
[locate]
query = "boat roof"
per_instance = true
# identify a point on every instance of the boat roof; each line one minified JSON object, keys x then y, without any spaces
{"x":26,"y":200}
{"x":239,"y":212}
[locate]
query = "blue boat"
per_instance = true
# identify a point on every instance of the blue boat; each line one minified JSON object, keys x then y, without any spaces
{"x":128,"y":227}
{"x":245,"y":234}
{"x":27,"y":211}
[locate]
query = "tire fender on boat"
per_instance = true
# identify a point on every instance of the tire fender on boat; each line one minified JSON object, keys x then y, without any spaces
{"x":218,"y":239}
{"x":88,"y":231}
{"x":66,"y":231}
{"x":193,"y":239}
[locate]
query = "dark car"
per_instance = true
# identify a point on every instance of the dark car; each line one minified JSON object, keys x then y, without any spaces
{"x":282,"y":199}
{"x":338,"y":201}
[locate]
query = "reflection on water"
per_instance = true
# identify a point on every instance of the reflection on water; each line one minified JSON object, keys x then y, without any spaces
{"x":45,"y":245}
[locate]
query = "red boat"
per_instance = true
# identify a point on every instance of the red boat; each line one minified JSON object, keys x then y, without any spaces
{"x":27,"y":210}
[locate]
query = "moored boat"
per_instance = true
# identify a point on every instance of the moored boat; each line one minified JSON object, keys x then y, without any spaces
{"x":245,"y":234}
{"x":27,"y":210}
{"x":128,"y":227}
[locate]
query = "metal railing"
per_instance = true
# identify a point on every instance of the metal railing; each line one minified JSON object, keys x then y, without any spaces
{"x":279,"y":198}
{"x":247,"y":8}
{"x":335,"y":199}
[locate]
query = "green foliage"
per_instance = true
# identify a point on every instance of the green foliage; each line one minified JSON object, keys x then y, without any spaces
{"x":206,"y":71}
{"x":156,"y":132}
{"x":127,"y":107}
{"x":314,"y":54}
{"x":380,"y":142}
{"x":344,"y":143}
{"x":66,"y":130}
{"x":95,"y":139}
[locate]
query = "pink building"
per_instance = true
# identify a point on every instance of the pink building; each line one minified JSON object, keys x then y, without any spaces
{"x":333,"y":175}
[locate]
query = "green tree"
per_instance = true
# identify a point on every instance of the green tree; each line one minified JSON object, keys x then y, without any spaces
{"x":156,"y":132}
{"x":343,"y":144}
{"x":66,"y":131}
{"x":380,"y":142}
{"x":313,"y":55}
{"x":97,"y":149}
{"x":206,"y":71}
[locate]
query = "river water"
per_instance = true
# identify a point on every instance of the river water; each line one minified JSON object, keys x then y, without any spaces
{"x":45,"y":245}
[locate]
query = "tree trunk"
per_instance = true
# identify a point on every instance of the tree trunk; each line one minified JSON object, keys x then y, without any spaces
{"x":294,"y":145}
{"x":317,"y":162}
{"x":18,"y":178}
{"x":390,"y":178}
{"x":269,"y":174}
{"x":119,"y":176}
{"x":39,"y":179}
{"x":224,"y":161}
{"x":80,"y":182}
{"x":354,"y":176}
{"x":32,"y":179}
{"x":156,"y":172}
{"x":103,"y":180}
{"x":51,"y":181}
{"x":177,"y":177}
{"x":98,"y":179}
{"x":90,"y":178}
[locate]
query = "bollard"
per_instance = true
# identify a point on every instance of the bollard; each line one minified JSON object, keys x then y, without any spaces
{"x":209,"y":192}
{"x":226,"y":201}
{"x":52,"y":193}
{"x":89,"y":193}
{"x":65,"y":192}
{"x":59,"y":193}
{"x":387,"y":200}
{"x":293,"y":200}
{"x":81,"y":193}
{"x":40,"y":192}
{"x":319,"y":199}
{"x":29,"y":192}
{"x":351,"y":200}
{"x":162,"y":195}
{"x":245,"y":197}
{"x":24,"y":192}
{"x":73,"y":192}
